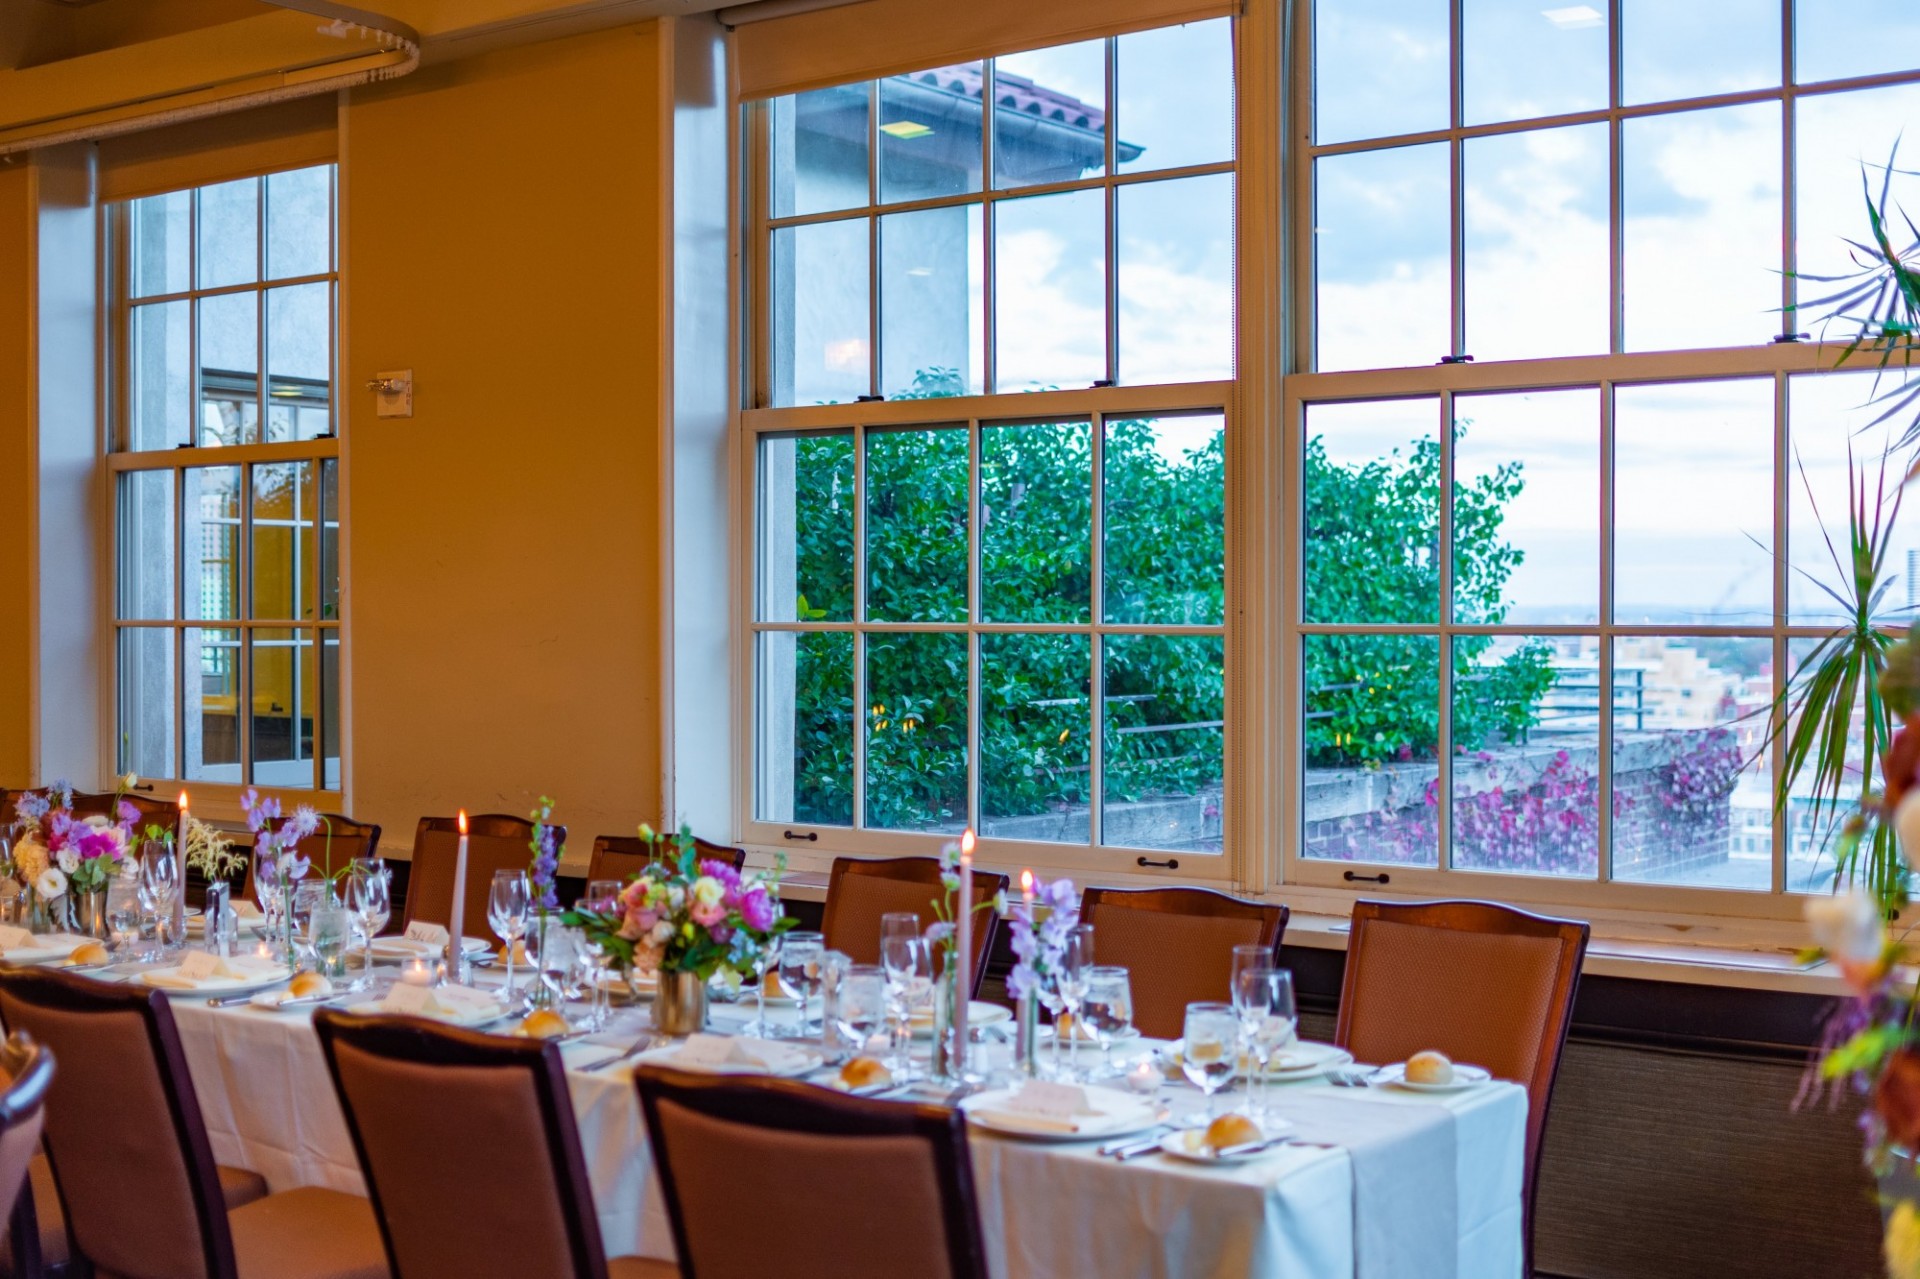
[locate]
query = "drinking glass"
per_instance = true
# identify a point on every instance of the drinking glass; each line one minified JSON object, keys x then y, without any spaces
{"x":160,"y":870}
{"x":509,"y":900}
{"x":1108,"y":1009}
{"x":370,"y":898}
{"x":329,"y":929}
{"x":1245,"y":957}
{"x":800,"y":955}
{"x":1076,"y":961}
{"x":899,"y":931}
{"x":123,"y":911}
{"x":863,"y":1004}
{"x":1263,"y":1000}
{"x":601,"y":897}
{"x":1210,"y":1051}
{"x":309,"y":895}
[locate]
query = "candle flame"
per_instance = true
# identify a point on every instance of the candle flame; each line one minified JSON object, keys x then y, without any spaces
{"x":966,"y":844}
{"x":183,"y":801}
{"x":463,"y":821}
{"x":1026,"y":882}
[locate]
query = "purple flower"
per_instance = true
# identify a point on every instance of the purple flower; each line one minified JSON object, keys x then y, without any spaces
{"x":937,"y":933}
{"x":756,"y":909}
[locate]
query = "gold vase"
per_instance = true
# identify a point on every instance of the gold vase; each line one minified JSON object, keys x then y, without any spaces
{"x":680,"y":1004}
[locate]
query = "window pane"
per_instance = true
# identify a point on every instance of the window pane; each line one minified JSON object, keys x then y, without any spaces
{"x":300,"y":223}
{"x":160,"y":375}
{"x":330,"y":709}
{"x":1176,"y":96}
{"x":1372,"y":735}
{"x":211,"y":541}
{"x":1522,"y":61}
{"x":1382,"y":258}
{"x":230,"y":233}
{"x":1691,"y":50}
{"x":1176,"y":280}
{"x":1035,"y":737}
{"x":806,"y":528}
{"x":1837,"y":39}
{"x":1049,"y":116}
{"x":158,"y":229}
{"x":1675,"y":557}
{"x":1701,"y":197}
{"x":148,"y":704}
{"x":285,"y":689}
{"x":819,"y":142}
{"x":1526,"y":507}
{"x":1536,"y":243}
{"x":146,"y":535}
{"x":1380,"y":68}
{"x":917,"y":731}
{"x":330,"y":540}
{"x":1050,"y":281}
{"x":1526,"y":770}
{"x":805,"y":767}
{"x":1162,"y":743}
{"x":1036,"y":523}
{"x":1837,"y":136}
{"x":930,"y":133}
{"x":1828,"y":419}
{"x":1372,"y":481}
{"x":300,"y":368}
{"x":1691,"y":803}
{"x":213,"y":705}
{"x":1813,"y":825}
{"x":285,"y":545}
{"x":933,"y":327}
{"x":917,"y":525}
{"x":1165,"y":520}
{"x":820,"y":316}
{"x":229,"y":369}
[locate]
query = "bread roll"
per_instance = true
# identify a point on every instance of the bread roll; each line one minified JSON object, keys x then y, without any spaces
{"x":1429,"y":1068}
{"x":519,"y":954}
{"x":1231,"y":1130}
{"x":91,"y":953}
{"x":544,"y":1023}
{"x":307,"y":985}
{"x":864,"y":1072}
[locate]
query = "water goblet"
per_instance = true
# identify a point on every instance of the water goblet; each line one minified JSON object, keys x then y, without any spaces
{"x":800,"y":956}
{"x":1108,"y":1009}
{"x":1263,"y":1001}
{"x":863,"y":1004}
{"x":509,"y":900}
{"x":765,"y":958}
{"x":1076,"y":959}
{"x":309,"y":895}
{"x":370,"y":897}
{"x":160,"y":871}
{"x":899,"y":930}
{"x":1210,"y":1048}
{"x":123,"y":912}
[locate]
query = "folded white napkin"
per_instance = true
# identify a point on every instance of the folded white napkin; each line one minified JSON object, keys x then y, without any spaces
{"x":12,"y":938}
{"x":1041,"y":1105}
{"x":197,"y":968}
{"x":722,"y":1053}
{"x":460,"y":1003}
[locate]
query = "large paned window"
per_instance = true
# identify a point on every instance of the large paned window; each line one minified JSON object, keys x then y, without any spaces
{"x":227,"y":596}
{"x":991,"y":347}
{"x":1544,"y":597}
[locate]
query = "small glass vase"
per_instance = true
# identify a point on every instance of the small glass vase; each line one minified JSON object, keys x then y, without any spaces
{"x":949,"y":1063}
{"x":680,"y":1004}
{"x":539,"y":991}
{"x":1026,"y":1047}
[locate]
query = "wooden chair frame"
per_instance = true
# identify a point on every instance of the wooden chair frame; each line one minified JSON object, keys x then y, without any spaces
{"x":634,"y":846}
{"x":916,"y":870}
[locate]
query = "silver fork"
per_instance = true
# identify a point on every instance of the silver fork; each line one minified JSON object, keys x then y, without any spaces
{"x":1351,"y":1078}
{"x":639,"y":1046}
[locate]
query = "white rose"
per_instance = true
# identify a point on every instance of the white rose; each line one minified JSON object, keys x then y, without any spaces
{"x":130,"y":781}
{"x":50,"y":884}
{"x":708,"y":891}
{"x":69,"y":860}
{"x":1847,"y":926}
{"x":95,"y":822}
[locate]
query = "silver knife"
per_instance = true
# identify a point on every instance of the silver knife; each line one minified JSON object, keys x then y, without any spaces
{"x":1250,"y":1148}
{"x":639,"y":1046}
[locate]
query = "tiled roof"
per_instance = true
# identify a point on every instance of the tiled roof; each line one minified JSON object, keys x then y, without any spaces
{"x":1016,"y":93}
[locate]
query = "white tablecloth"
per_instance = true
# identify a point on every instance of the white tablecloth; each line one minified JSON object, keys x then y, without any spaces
{"x":1046,"y":1210}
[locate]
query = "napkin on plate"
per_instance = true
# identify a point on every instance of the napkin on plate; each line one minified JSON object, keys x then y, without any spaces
{"x":13,"y":938}
{"x":460,"y":1003}
{"x":197,"y":968}
{"x":1040,"y":1105}
{"x":740,"y":1056}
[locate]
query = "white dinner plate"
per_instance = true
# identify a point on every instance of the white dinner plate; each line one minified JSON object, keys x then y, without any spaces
{"x":47,"y":948}
{"x":483,"y":1016}
{"x":399,"y":948}
{"x":805,"y":1064}
{"x":1121,"y":1114}
{"x":1191,"y":1145}
{"x":1127,"y":1036}
{"x":979,"y":1013}
{"x":1303,"y":1059}
{"x":1463,"y":1077}
{"x":218,"y":985}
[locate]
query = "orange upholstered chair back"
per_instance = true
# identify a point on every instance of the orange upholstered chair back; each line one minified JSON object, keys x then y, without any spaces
{"x":1176,"y":945}
{"x":622,"y":857}
{"x":860,"y":891}
{"x":494,"y":842}
{"x":28,"y":1075}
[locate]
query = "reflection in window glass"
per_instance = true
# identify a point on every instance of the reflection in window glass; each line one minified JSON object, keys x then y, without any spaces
{"x":930,"y":133}
{"x":1526,"y":507}
{"x":806,"y":723}
{"x":1536,"y":243}
{"x":300,"y":362}
{"x":1837,"y":39}
{"x":1036,"y":523}
{"x":1690,"y":50}
{"x":1522,"y":60}
{"x":1701,"y":197}
{"x":1035,"y":737}
{"x":1175,"y":96}
{"x":212,"y":706}
{"x":1165,"y":520}
{"x":916,"y":718}
{"x":1693,"y":801}
{"x":160,"y":376}
{"x":819,"y":150}
{"x":1379,"y":68}
{"x":285,"y":559}
{"x":1372,"y":482}
{"x":1830,"y":430}
{"x":211,"y":541}
{"x":1840,"y":138}
{"x":229,"y":369}
{"x":285,"y":692}
{"x":821,"y":340}
{"x":146,"y":528}
{"x":1050,"y":115}
{"x":932,"y":312}
{"x":1371,"y":789}
{"x":1677,"y":558}
{"x":1050,"y":302}
{"x":1382,"y":258}
{"x":917,"y":525}
{"x":1176,"y":280}
{"x":1163,"y":745}
{"x":806,"y":528}
{"x":147,"y":707}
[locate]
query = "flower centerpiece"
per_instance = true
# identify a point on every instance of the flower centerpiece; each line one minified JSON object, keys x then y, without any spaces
{"x":688,"y":920}
{"x":1040,"y":921}
{"x":542,"y":871}
{"x":278,"y":865}
{"x":66,"y":862}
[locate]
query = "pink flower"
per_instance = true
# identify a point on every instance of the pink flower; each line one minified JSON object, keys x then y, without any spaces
{"x":756,"y":909}
{"x":707,"y":914}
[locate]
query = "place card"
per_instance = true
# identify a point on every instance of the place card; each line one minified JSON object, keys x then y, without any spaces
{"x":198,"y":965}
{"x":12,"y":938}
{"x":427,"y":934}
{"x":705,"y":1050}
{"x":408,"y":999}
{"x":1050,"y":1100}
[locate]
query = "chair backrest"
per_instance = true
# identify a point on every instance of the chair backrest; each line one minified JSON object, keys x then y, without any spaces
{"x":124,"y":1135}
{"x":1485,"y":984}
{"x":861,"y":890}
{"x":432,"y":1109}
{"x":494,"y":842}
{"x":1176,"y":945}
{"x":341,"y":839}
{"x":883,"y":1188}
{"x":622,"y":857}
{"x":28,"y":1070}
{"x":152,"y":812}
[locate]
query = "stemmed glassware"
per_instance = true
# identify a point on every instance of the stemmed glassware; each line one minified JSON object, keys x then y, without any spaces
{"x":1210,"y":1048}
{"x":124,"y":893}
{"x":1263,"y":1001}
{"x":907,"y":961}
{"x":160,"y":873}
{"x":509,"y":901}
{"x":863,"y":1004}
{"x":1076,"y":961}
{"x":766,"y":960}
{"x":370,"y":898}
{"x":1108,"y":1009}
{"x":601,"y":897}
{"x":309,"y":895}
{"x":800,"y":956}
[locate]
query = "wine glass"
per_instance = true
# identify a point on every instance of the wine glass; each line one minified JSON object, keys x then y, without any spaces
{"x":1263,"y":1000}
{"x":309,"y":895}
{"x":370,"y":898}
{"x":123,"y":911}
{"x":899,"y":930}
{"x":1076,"y":960}
{"x":766,"y":958}
{"x":1210,"y":1048}
{"x":1108,"y":1009}
{"x":1245,"y":957}
{"x":550,"y":954}
{"x":601,"y":897}
{"x":863,"y":1004}
{"x":160,"y":871}
{"x":800,"y":955}
{"x":509,"y":900}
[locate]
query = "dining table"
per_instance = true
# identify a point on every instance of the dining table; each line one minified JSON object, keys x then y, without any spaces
{"x":1382,"y":1184}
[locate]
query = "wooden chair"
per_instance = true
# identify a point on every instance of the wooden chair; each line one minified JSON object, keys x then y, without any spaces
{"x":884,"y":1188}
{"x":340,"y":839}
{"x":1176,"y":945}
{"x":152,"y":812}
{"x":130,"y":1158}
{"x":1485,"y":984}
{"x":861,"y":890}
{"x":622,"y":857}
{"x":494,"y":842}
{"x":28,"y":1070}
{"x":427,"y":1107}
